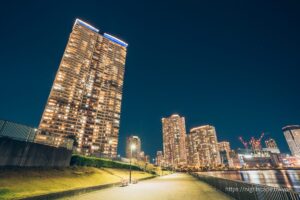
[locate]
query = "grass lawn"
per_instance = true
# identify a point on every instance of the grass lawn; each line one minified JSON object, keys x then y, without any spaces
{"x":18,"y":183}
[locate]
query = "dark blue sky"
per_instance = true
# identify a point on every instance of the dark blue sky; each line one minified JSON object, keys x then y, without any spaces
{"x":232,"y":64}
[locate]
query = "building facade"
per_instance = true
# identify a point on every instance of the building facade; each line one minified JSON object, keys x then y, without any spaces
{"x":189,"y":150}
{"x":292,"y":136}
{"x":271,"y":146}
{"x":159,"y":158}
{"x":224,"y":149}
{"x":136,"y":152}
{"x":204,"y":147}
{"x":174,"y":134}
{"x":270,"y":143}
{"x":85,"y":99}
{"x":224,"y":146}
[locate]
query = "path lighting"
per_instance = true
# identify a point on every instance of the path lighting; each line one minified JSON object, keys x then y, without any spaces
{"x":132,"y":148}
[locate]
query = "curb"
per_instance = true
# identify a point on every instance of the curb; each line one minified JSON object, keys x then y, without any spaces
{"x":78,"y":191}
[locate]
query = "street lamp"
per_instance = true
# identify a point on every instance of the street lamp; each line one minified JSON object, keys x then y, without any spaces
{"x":110,"y":143}
{"x":132,"y":147}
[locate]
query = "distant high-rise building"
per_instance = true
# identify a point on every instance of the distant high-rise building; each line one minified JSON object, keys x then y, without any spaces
{"x":142,"y":154}
{"x":292,"y":136}
{"x":136,"y":152}
{"x":224,"y":149}
{"x":270,"y":143}
{"x":159,"y":158}
{"x":271,"y":146}
{"x":204,"y":151}
{"x":146,"y":159}
{"x":189,"y":150}
{"x":174,"y":134}
{"x":85,"y":99}
{"x":224,"y":146}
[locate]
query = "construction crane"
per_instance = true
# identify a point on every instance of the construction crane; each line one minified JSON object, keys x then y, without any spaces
{"x":243,"y":142}
{"x":256,"y":143}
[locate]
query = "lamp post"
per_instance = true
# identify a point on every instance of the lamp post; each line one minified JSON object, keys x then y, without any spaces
{"x":132,"y":147}
{"x":110,"y":143}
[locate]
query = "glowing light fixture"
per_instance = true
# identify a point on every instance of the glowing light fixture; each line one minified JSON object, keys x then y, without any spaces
{"x":114,"y":39}
{"x":133,"y":147}
{"x":78,"y":21}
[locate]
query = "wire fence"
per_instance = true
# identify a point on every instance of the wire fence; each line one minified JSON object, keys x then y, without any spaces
{"x":248,"y":191}
{"x":17,"y":131}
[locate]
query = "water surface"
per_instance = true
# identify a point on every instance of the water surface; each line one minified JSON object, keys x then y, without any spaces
{"x":276,"y":178}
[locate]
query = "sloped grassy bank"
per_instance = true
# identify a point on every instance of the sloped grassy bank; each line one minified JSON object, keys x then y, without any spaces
{"x":17,"y":183}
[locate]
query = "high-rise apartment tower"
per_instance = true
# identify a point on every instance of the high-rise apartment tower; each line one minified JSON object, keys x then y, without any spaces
{"x":85,"y":99}
{"x":271,"y":143}
{"x":292,"y":136}
{"x":174,"y":134}
{"x":136,"y":152}
{"x":204,"y":151}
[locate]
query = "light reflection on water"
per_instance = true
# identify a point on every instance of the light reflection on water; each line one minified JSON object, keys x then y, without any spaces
{"x":277,"y":178}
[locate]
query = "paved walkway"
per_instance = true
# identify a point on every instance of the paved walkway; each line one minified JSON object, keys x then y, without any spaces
{"x":171,"y":187}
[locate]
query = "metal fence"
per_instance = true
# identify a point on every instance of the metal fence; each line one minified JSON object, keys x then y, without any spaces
{"x":25,"y":133}
{"x":17,"y":131}
{"x":248,"y":191}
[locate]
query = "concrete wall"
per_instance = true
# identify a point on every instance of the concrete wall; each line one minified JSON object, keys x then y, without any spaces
{"x":28,"y":154}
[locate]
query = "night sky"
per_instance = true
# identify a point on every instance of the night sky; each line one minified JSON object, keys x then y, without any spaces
{"x":232,"y":64}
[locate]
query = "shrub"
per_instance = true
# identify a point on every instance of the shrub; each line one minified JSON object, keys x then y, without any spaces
{"x":100,"y":162}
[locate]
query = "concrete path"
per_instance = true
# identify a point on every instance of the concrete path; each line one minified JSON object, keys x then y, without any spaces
{"x":171,"y":187}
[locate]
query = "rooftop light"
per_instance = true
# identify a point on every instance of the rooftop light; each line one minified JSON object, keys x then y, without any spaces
{"x":114,"y":39}
{"x":78,"y":21}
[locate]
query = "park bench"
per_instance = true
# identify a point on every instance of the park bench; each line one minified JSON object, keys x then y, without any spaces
{"x":124,"y":182}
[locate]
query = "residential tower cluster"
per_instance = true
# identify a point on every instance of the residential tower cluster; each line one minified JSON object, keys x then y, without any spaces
{"x":200,"y":149}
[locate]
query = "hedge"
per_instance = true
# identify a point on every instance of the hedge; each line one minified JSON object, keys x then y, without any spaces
{"x":79,"y":160}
